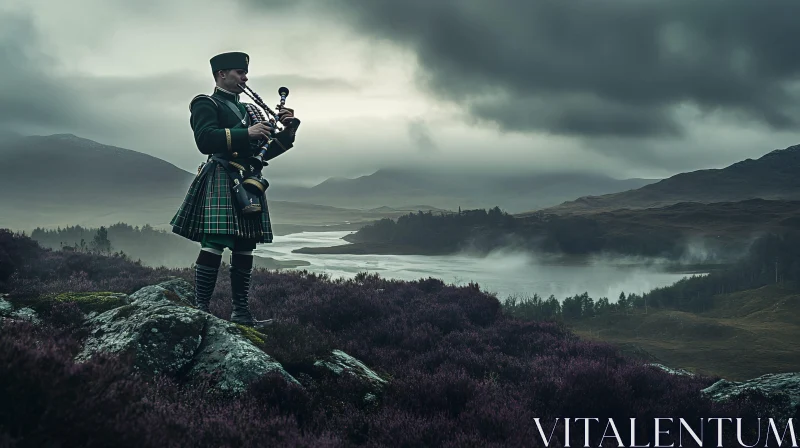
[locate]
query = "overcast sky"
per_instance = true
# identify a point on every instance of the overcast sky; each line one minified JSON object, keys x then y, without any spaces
{"x":629,"y":88}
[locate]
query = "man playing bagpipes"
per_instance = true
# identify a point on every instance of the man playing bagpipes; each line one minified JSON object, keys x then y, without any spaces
{"x":226,"y":202}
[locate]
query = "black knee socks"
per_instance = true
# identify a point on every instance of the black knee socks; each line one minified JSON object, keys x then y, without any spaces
{"x":209,"y":259}
{"x":241,"y":261}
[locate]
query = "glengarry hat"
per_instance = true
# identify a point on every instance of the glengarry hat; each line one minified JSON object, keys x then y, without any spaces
{"x":231,"y":60}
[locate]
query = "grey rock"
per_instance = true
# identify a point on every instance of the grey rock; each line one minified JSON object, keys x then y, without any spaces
{"x":227,"y":351}
{"x":340,"y":363}
{"x":166,"y":335}
{"x":776,"y":385}
{"x":670,"y":370}
{"x":6,"y":308}
{"x":161,"y":337}
{"x":26,"y":314}
{"x":163,"y":332}
{"x":171,"y":292}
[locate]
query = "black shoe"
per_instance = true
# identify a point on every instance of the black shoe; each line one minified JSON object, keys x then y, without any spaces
{"x":205,"y":279}
{"x":240,"y":291}
{"x":258,"y":325}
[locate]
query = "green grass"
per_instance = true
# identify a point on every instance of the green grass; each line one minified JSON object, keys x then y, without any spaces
{"x":746,"y":334}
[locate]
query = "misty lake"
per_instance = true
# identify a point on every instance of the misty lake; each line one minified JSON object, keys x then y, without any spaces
{"x":502,"y":273}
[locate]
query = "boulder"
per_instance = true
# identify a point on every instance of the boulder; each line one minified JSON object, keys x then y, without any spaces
{"x":26,"y":314}
{"x":6,"y":308}
{"x":782,"y":388}
{"x":7,"y":311}
{"x":165,"y":334}
{"x":340,"y":363}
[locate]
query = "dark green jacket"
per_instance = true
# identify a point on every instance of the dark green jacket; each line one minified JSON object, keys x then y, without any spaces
{"x":217,"y":129}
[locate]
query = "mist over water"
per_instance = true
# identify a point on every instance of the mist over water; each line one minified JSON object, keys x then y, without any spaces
{"x":504,"y":272}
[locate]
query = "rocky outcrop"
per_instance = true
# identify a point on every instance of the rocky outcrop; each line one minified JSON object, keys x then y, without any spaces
{"x":781,"y":388}
{"x":165,"y":334}
{"x":161,"y":330}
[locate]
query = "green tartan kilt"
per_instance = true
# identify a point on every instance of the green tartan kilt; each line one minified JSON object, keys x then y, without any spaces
{"x":208,"y":208}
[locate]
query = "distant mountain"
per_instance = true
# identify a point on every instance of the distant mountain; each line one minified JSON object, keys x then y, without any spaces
{"x":71,"y":168}
{"x":64,"y":180}
{"x":772,"y":176}
{"x":447,"y":190}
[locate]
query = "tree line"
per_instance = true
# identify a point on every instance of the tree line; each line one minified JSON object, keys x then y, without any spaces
{"x":153,"y":246}
{"x":486,"y":230}
{"x":73,"y":239}
{"x":773,"y":258}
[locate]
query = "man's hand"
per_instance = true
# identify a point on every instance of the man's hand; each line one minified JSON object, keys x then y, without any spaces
{"x":285,"y":116}
{"x":260,"y":130}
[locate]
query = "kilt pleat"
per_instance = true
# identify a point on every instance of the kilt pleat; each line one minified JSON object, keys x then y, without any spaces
{"x":208,"y":208}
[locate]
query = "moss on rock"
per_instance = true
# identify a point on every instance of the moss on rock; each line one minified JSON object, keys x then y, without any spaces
{"x":93,"y":301}
{"x":253,"y":335}
{"x":97,"y":301}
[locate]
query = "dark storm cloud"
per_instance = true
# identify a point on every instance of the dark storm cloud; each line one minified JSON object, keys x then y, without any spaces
{"x":596,"y":68}
{"x":34,"y":98}
{"x":27,"y":95}
{"x":581,"y":114}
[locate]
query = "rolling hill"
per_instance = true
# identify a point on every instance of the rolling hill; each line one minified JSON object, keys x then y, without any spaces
{"x":772,"y":176}
{"x":742,"y":336}
{"x":73,"y":168}
{"x":76,"y":181}
{"x":450,"y":190}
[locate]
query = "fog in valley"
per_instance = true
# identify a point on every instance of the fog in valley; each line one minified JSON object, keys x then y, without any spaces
{"x":506,"y":272}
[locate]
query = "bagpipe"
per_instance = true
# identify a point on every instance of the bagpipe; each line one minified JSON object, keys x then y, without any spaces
{"x":250,"y":186}
{"x":256,"y":116}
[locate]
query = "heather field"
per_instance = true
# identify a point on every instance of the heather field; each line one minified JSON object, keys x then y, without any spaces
{"x":461,"y":371}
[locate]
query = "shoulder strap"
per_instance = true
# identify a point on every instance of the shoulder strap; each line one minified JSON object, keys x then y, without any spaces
{"x":235,"y":110}
{"x":213,"y":100}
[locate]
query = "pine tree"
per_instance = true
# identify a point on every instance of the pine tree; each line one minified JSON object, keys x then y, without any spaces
{"x":101,"y":241}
